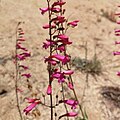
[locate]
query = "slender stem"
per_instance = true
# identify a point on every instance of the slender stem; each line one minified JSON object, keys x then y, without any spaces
{"x":50,"y":83}
{"x":16,"y":80}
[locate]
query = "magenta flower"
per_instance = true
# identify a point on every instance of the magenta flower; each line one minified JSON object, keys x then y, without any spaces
{"x":26,"y":54}
{"x":72,"y":103}
{"x":43,"y":10}
{"x":116,"y":53}
{"x":21,"y":33}
{"x":70,"y":114}
{"x":26,"y":75}
{"x":118,"y":73}
{"x":118,"y":22}
{"x":117,"y":30}
{"x":117,"y":42}
{"x":61,"y":47}
{"x":59,"y":19}
{"x":58,"y":75}
{"x":24,"y":67}
{"x":48,"y":43}
{"x":70,"y":85}
{"x":60,"y":3}
{"x":31,"y":100}
{"x":21,"y":39}
{"x":55,"y":9}
{"x":117,"y":14}
{"x":46,"y":26}
{"x":73,"y":23}
{"x":63,"y":37}
{"x":30,"y":107}
{"x":51,"y":61}
{"x":20,"y":47}
{"x":20,"y":57}
{"x":49,"y":90}
{"x":68,"y":72}
{"x":63,"y":59}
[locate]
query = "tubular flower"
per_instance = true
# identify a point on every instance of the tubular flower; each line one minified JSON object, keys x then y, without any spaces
{"x":59,"y":19}
{"x":24,"y":67}
{"x":43,"y":10}
{"x":73,"y":23}
{"x":70,"y":85}
{"x":26,"y":75}
{"x":63,"y":59}
{"x":30,"y":107}
{"x":20,"y":47}
{"x":63,"y":37}
{"x":117,"y":42}
{"x":118,"y":73}
{"x":55,"y":9}
{"x":116,"y":53}
{"x":70,"y":114}
{"x":46,"y":26}
{"x":49,"y":90}
{"x":21,"y":39}
{"x":60,"y":3}
{"x":61,"y":47}
{"x":72,"y":103}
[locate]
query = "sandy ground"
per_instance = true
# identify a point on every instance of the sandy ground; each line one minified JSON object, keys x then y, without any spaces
{"x":97,"y":23}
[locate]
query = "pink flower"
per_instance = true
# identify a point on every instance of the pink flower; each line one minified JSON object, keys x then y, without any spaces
{"x":48,"y":43}
{"x":58,"y":75}
{"x":68,"y":72}
{"x":117,"y":42}
{"x":20,"y":47}
{"x":63,"y":37}
{"x":24,"y":67}
{"x":21,"y":39}
{"x":70,"y":114}
{"x":30,"y":107}
{"x":73,"y":23}
{"x":60,"y":3}
{"x":20,"y":57}
{"x":116,"y":53}
{"x":117,"y":34}
{"x":43,"y":10}
{"x":46,"y":26}
{"x":49,"y":90}
{"x":26,"y":54}
{"x":118,"y":22}
{"x":59,"y":19}
{"x":63,"y":59}
{"x":26,"y":75}
{"x":117,"y":14}
{"x":31,"y":100}
{"x":55,"y":9}
{"x":118,"y":73}
{"x":21,"y":33}
{"x":72,"y":103}
{"x":51,"y":61}
{"x":61,"y":47}
{"x":70,"y":85}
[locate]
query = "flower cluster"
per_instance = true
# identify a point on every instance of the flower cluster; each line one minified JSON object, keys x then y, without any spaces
{"x":21,"y":54}
{"x":33,"y":104}
{"x":117,"y":33}
{"x":57,"y":43}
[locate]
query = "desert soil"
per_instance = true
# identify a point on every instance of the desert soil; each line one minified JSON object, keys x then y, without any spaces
{"x":100,"y":94}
